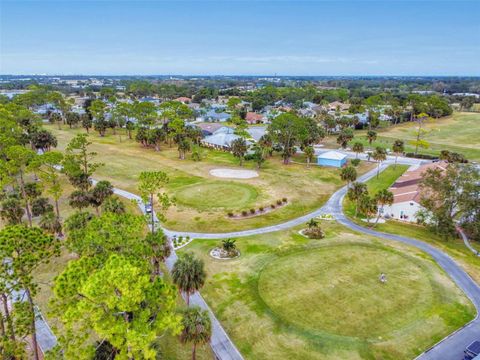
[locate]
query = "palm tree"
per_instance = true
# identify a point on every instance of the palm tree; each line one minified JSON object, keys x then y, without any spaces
{"x":382,"y":198}
{"x":229,"y":245}
{"x":348,"y":174}
{"x":312,"y":223}
{"x":188,"y":274}
{"x":371,"y":136}
{"x":398,"y":148}
{"x":358,"y":148}
{"x":239,"y":148}
{"x":379,"y":155}
{"x":368,"y":206}
{"x":197,"y":328}
{"x":356,"y":192}
{"x":310,"y":153}
{"x":183,"y":145}
{"x":160,"y":249}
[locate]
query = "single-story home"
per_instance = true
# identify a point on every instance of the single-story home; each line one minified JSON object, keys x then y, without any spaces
{"x":213,"y":128}
{"x":254,"y":118}
{"x":337,"y":105}
{"x":184,"y":99}
{"x":220,"y":140}
{"x":332,"y":158}
{"x":212,"y":115}
{"x":407,"y":194}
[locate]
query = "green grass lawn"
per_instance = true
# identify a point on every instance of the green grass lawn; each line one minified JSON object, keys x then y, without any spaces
{"x":459,"y":132}
{"x":454,"y":246}
{"x":217,"y":194}
{"x":203,"y":200}
{"x":287,"y":297}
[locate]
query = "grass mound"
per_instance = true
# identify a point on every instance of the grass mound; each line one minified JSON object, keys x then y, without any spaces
{"x":336,"y":289}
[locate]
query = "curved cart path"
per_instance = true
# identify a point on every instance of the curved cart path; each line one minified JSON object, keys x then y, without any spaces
{"x":450,"y":348}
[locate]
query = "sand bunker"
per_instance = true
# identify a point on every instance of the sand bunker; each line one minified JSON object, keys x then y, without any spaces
{"x":234,"y":173}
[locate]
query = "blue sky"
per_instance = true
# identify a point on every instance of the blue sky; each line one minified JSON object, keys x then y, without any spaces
{"x":240,"y":37}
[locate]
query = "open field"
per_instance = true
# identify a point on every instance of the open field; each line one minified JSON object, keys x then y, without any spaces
{"x":453,"y":247}
{"x":288,"y":297}
{"x":459,"y":132}
{"x":204,"y":200}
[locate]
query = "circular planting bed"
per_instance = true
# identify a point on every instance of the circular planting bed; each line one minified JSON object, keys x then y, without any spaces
{"x":336,"y":290}
{"x":234,"y":173}
{"x":227,"y":195}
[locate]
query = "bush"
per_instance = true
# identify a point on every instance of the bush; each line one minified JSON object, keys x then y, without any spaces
{"x":279,"y":202}
{"x":180,"y":238}
{"x":244,"y":213}
{"x":230,"y":214}
{"x":421,"y":156}
{"x":188,"y":238}
{"x":272,"y":206}
{"x":284,"y":200}
{"x":314,"y":233}
{"x":355,"y":162}
{"x":252,"y":211}
{"x":261,"y":208}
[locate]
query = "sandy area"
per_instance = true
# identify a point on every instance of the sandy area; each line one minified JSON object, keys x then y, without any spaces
{"x":234,"y":173}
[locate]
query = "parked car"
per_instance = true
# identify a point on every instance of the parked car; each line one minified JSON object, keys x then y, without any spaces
{"x":472,"y":351}
{"x":148,"y":207}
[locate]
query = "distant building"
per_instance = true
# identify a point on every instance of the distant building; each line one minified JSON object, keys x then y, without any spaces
{"x":332,"y":159}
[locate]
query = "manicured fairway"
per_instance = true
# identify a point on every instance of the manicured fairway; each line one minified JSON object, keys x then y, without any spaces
{"x":337,"y":290}
{"x":202,"y":204}
{"x":459,"y":132}
{"x":225,"y":195}
{"x":287,"y":297}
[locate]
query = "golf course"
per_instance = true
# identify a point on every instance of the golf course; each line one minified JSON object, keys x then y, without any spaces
{"x":322,"y":299}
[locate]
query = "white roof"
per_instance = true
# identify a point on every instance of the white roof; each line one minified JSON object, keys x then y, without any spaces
{"x":220,"y":139}
{"x":332,"y":155}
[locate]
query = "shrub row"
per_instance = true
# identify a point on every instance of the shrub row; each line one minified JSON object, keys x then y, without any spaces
{"x":260,"y":209}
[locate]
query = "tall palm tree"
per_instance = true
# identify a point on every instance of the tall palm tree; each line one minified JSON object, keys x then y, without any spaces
{"x":348,"y":174}
{"x":358,"y":148}
{"x":188,"y":274}
{"x":309,"y":153}
{"x":379,"y":155}
{"x":160,"y":249}
{"x":398,"y":148}
{"x":371,"y":136}
{"x":382,"y":198}
{"x":368,"y":207}
{"x":197,"y":328}
{"x":356,"y":192}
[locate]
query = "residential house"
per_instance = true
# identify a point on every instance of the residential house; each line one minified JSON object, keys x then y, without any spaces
{"x":407,"y":193}
{"x":254,"y":118}
{"x":221,"y":139}
{"x":184,"y":99}
{"x":337,"y":105}
{"x":212,"y":128}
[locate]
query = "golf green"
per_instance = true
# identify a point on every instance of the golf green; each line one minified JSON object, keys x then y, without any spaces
{"x":218,"y":194}
{"x":337,"y":290}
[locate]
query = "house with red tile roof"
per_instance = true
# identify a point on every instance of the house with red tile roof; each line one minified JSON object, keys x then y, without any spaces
{"x":184,"y":99}
{"x":407,"y":193}
{"x":254,"y":118}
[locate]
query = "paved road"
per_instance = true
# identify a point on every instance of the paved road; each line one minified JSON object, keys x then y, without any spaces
{"x":222,"y":346}
{"x":450,"y":348}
